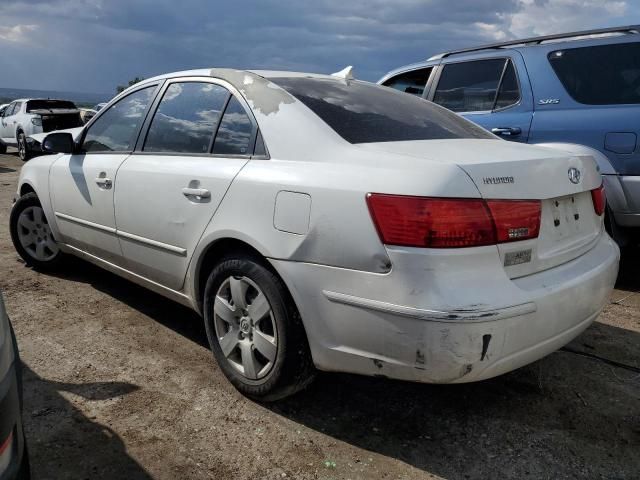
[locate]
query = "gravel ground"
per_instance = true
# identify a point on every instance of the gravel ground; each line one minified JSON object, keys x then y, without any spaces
{"x":119,"y":383}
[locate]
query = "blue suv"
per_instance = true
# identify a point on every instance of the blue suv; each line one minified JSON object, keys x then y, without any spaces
{"x":578,"y":91}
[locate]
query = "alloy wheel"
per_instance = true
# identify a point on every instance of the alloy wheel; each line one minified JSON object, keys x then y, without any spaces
{"x":245,"y":327}
{"x":35,"y":235}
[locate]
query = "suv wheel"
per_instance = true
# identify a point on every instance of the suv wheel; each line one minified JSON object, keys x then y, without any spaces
{"x":23,"y":149}
{"x":255,"y":330}
{"x":31,"y":233}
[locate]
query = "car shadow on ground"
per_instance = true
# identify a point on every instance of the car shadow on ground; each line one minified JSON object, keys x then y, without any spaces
{"x":566,"y":415}
{"x":65,"y":443}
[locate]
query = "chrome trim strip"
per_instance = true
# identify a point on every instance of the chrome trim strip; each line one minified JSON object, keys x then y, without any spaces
{"x":178,"y":296}
{"x":130,"y":236}
{"x":462,"y":315}
{"x":86,"y":223}
{"x":164,"y":246}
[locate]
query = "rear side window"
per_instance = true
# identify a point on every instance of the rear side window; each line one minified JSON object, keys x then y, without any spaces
{"x":49,"y":105}
{"x":600,"y":75}
{"x":412,"y":82}
{"x":469,"y":86}
{"x":362,"y":112}
{"x":509,"y":91}
{"x":9,"y":111}
{"x":235,"y":132}
{"x":186,"y":118}
{"x":116,"y":129}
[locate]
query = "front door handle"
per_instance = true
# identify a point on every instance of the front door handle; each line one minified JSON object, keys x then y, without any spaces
{"x":507,"y":131}
{"x":196,"y":192}
{"x":104,"y":182}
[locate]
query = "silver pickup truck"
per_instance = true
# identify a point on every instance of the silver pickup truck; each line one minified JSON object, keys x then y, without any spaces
{"x":26,"y":117}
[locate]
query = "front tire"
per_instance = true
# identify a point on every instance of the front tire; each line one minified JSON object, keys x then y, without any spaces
{"x":31,"y":234}
{"x":255,"y":331}
{"x":23,"y":148}
{"x":3,"y":148}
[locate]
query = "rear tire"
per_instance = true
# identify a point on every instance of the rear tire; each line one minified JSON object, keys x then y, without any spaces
{"x":31,"y":234}
{"x":23,"y":147}
{"x":255,"y":331}
{"x":3,"y":148}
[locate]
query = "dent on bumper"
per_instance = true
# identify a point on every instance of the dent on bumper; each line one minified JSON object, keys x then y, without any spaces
{"x":353,"y":333}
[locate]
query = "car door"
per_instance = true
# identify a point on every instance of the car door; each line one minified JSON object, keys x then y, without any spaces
{"x":82,"y":184}
{"x":198,"y":139}
{"x":7,"y":124}
{"x":488,"y":92}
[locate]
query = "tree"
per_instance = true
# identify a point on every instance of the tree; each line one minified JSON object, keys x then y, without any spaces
{"x":122,"y":88}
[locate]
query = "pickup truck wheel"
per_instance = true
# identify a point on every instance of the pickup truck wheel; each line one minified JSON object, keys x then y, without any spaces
{"x":255,"y":330}
{"x":23,"y":149}
{"x":31,"y":234}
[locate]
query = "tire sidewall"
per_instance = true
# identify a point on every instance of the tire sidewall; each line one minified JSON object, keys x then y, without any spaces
{"x":26,"y":201}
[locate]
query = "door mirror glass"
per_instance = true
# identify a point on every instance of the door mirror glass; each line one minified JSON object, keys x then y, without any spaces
{"x":61,"y":142}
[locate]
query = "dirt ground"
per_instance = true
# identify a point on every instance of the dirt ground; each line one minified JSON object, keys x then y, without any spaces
{"x":120,"y":384}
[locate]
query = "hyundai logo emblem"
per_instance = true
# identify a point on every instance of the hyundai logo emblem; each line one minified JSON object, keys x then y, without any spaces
{"x":574,"y":175}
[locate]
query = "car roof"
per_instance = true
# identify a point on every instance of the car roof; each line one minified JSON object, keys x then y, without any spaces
{"x":583,"y":36}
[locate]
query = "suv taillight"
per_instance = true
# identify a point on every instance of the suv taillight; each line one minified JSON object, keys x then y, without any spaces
{"x":599,"y":200}
{"x":452,"y":222}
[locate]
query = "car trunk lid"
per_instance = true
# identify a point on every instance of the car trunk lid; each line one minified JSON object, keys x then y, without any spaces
{"x":501,"y":170}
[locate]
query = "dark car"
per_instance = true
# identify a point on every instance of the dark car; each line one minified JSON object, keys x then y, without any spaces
{"x":14,"y":460}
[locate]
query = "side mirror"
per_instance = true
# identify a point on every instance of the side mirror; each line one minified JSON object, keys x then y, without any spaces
{"x":61,"y":142}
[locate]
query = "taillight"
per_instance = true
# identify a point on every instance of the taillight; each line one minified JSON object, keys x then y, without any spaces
{"x":452,"y":222}
{"x":599,"y":200}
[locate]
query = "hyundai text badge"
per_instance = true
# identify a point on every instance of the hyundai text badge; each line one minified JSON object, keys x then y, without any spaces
{"x":574,"y":175}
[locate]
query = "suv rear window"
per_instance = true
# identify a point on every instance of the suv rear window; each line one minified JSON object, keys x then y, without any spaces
{"x":362,"y":112}
{"x":600,"y":75}
{"x":49,"y":104}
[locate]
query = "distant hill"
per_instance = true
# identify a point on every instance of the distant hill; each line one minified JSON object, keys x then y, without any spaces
{"x":80,"y":99}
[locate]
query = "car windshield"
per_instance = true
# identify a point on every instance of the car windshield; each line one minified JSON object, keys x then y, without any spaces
{"x":49,"y":104}
{"x":362,"y":112}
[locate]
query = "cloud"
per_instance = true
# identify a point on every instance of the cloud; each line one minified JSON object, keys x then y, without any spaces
{"x":17,"y":33}
{"x":94,"y":45}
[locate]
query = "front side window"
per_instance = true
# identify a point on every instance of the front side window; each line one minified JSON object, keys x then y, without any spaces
{"x":116,"y":129}
{"x":235,"y":132}
{"x":186,"y":118}
{"x":600,"y":75}
{"x":469,"y":86}
{"x":362,"y":112}
{"x":412,"y":82}
{"x":9,"y":110}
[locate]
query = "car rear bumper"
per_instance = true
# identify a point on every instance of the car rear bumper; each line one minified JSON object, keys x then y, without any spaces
{"x":485,"y":324}
{"x":623,"y":198}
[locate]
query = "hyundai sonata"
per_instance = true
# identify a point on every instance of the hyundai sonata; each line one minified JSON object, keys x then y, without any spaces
{"x":323,"y":222}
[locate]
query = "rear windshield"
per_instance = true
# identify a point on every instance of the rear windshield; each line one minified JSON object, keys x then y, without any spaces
{"x":49,"y":104}
{"x":362,"y":112}
{"x":600,"y":75}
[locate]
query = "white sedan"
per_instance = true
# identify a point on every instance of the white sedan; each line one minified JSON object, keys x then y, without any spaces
{"x":323,"y":222}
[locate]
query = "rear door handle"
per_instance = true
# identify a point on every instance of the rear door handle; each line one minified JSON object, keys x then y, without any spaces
{"x":507,"y":131}
{"x":104,"y":182}
{"x":196,"y":192}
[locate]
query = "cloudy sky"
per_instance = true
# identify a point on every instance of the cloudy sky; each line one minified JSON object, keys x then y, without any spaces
{"x":94,"y":45}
